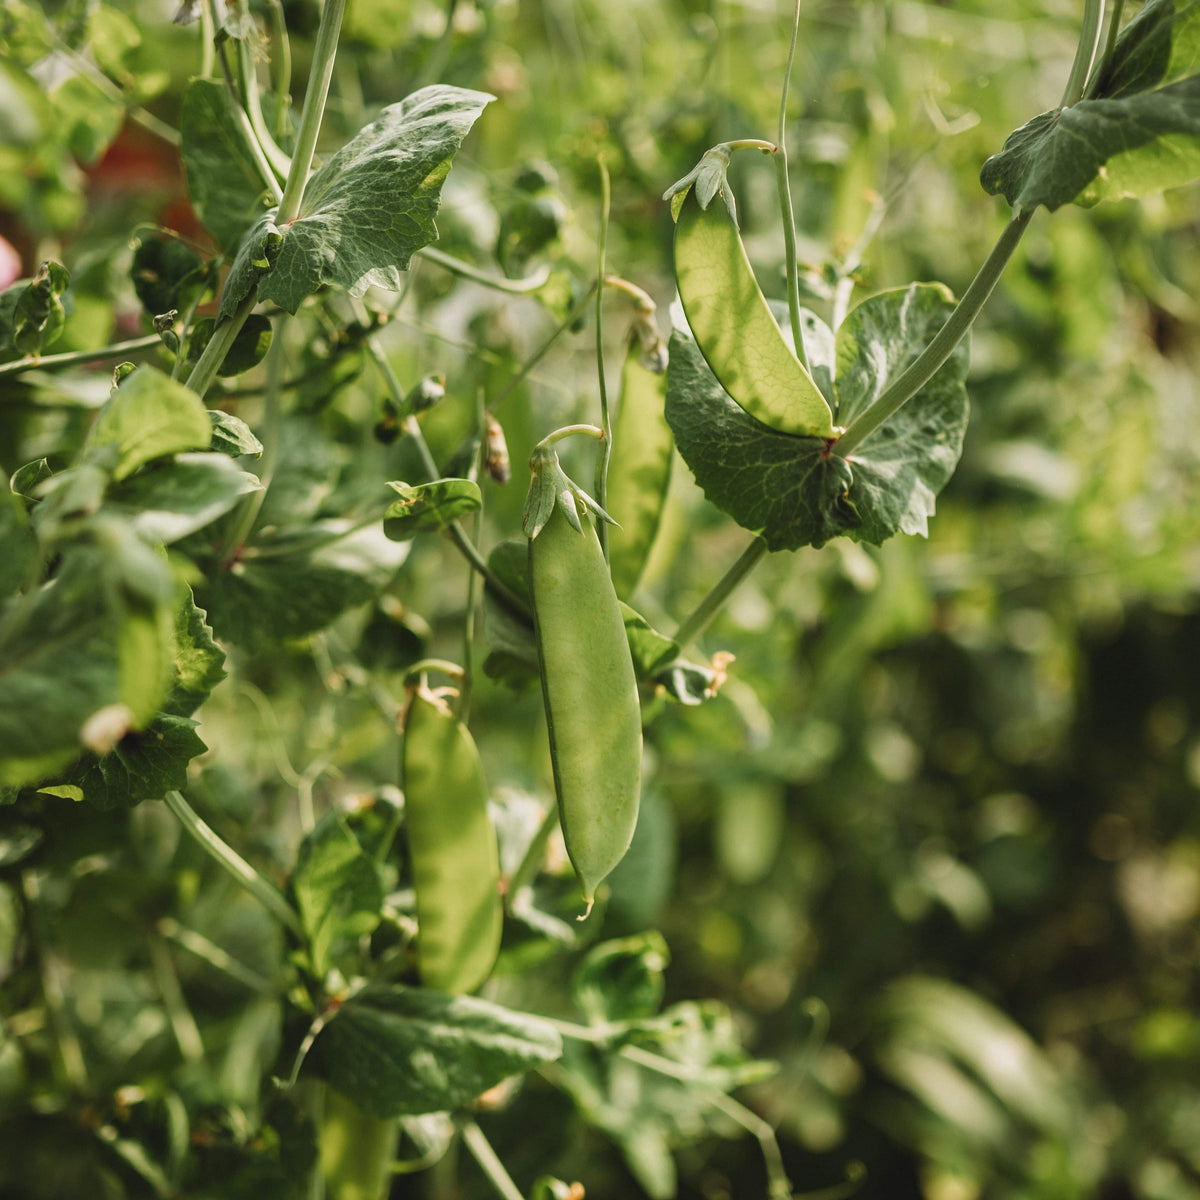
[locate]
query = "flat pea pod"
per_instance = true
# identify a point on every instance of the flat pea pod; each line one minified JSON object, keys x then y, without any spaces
{"x":452,"y":844}
{"x":734,"y":328}
{"x":590,"y":692}
{"x":640,"y":471}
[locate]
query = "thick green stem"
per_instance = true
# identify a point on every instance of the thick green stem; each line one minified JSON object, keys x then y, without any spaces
{"x":75,"y":357}
{"x":205,"y":370}
{"x":1110,"y":44}
{"x":692,"y":627}
{"x":264,"y":892}
{"x":605,"y":454}
{"x":281,"y":68}
{"x":321,"y":72}
{"x":944,"y":341}
{"x":1085,"y":52}
{"x":785,"y":201}
{"x":279,"y":161}
{"x":250,"y":140}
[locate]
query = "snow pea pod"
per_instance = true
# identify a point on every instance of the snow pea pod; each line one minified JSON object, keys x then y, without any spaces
{"x":640,"y":471}
{"x":588,"y":682}
{"x":452,"y":844}
{"x":734,"y":328}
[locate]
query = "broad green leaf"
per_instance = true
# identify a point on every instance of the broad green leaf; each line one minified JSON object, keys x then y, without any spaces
{"x":149,"y":416}
{"x":169,"y":501}
{"x":199,"y":661}
{"x":338,"y":891}
{"x":17,"y":546}
{"x":232,"y":436}
{"x":248,"y":350}
{"x":223,"y":180}
{"x":298,"y":584}
{"x":144,"y":765}
{"x":649,"y":649}
{"x":795,"y":491}
{"x":403,"y":1051}
{"x":166,"y":273}
{"x":1137,"y":132}
{"x":640,"y":471}
{"x":39,"y":313}
{"x":735,"y":330}
{"x":427,"y":507}
{"x":366,"y":211}
{"x":88,"y":120}
{"x":622,"y":980}
{"x":61,"y":666}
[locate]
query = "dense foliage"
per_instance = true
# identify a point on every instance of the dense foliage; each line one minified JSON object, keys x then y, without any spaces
{"x":910,"y":908}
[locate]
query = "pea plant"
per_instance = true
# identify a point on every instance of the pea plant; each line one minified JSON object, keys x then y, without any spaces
{"x":339,"y":1001}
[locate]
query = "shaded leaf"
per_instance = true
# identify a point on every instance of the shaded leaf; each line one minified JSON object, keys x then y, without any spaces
{"x":404,"y":1051}
{"x":39,"y":313}
{"x":166,"y":273}
{"x":199,"y":661}
{"x":623,"y":979}
{"x":248,"y":350}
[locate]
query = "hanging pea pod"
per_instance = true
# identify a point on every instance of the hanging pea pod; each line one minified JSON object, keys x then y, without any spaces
{"x":640,"y":471}
{"x":734,"y":328}
{"x":588,"y":680}
{"x":452,"y":844}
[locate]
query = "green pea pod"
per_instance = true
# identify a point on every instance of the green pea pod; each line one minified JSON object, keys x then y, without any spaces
{"x":356,"y":1150}
{"x":452,"y":844}
{"x":734,"y":328}
{"x":640,"y":471}
{"x":590,"y":692}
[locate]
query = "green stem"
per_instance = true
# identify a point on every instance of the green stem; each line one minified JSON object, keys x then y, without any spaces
{"x":321,"y":72}
{"x":272,"y":424}
{"x":576,"y":312}
{"x":443,"y":665}
{"x":605,"y":454}
{"x":209,"y":363}
{"x":1085,"y":52}
{"x":281,"y":68}
{"x":246,"y":127}
{"x":642,"y":300}
{"x":945,"y":340}
{"x":472,"y":597}
{"x":707,"y":609}
{"x":534,"y":854}
{"x":514,"y":287}
{"x":183,"y":1024}
{"x":1110,"y":44}
{"x":279,"y":161}
{"x":489,"y":1162}
{"x":208,"y":29}
{"x":785,"y":201}
{"x":73,"y":357}
{"x":216,"y":957}
{"x":264,"y":892}
{"x":569,"y":431}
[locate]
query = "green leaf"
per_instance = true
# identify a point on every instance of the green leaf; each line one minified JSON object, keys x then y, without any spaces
{"x":512,"y":657}
{"x":796,"y":491}
{"x":166,"y":273}
{"x":223,"y":180}
{"x":169,"y":501}
{"x":17,"y":545}
{"x":232,"y":436}
{"x":403,"y":1051}
{"x":143,"y":765}
{"x":39,"y":315}
{"x":248,"y":350}
{"x":640,"y":471}
{"x":149,"y":416}
{"x":1137,"y":132}
{"x":338,"y":891}
{"x":88,"y":120}
{"x":275,"y":592}
{"x":69,"y":658}
{"x":649,"y":649}
{"x":623,"y":979}
{"x":366,"y":211}
{"x":429,"y":506}
{"x":199,"y":661}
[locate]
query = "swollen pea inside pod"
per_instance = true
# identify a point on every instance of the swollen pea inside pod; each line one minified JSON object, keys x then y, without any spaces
{"x":588,"y":681}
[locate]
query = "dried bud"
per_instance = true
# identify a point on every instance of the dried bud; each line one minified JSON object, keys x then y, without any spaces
{"x":495,"y":452}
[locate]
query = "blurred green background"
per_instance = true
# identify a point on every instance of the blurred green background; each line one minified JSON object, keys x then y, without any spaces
{"x":936,"y":842}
